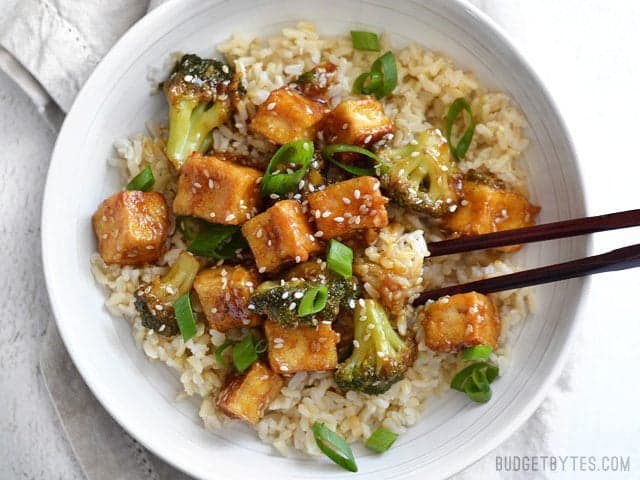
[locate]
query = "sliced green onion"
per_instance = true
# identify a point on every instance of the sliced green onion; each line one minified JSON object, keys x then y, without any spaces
{"x":313,"y":301}
{"x":190,"y":227}
{"x":210,"y":238}
{"x":475,"y":381}
{"x":381,"y":440}
{"x":329,"y":151}
{"x":184,"y":316}
{"x":381,"y":80}
{"x":306,"y":77}
{"x":459,"y":151}
{"x":340,"y":258}
{"x":244,"y":353}
{"x":365,"y":41}
{"x":386,"y":64}
{"x":334,"y":447}
{"x":218,"y":352}
{"x":260,"y":346}
{"x":231,"y":246}
{"x":298,"y":153}
{"x":142,"y":181}
{"x":479,"y":352}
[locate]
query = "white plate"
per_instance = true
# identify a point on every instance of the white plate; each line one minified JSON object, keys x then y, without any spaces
{"x":115,"y":102}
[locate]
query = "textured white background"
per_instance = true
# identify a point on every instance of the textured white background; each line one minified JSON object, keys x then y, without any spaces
{"x":586,"y":51}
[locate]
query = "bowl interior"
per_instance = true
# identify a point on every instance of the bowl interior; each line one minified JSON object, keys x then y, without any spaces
{"x":116,"y":102}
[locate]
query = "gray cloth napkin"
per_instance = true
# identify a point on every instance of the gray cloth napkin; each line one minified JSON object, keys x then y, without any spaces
{"x":49,"y":47}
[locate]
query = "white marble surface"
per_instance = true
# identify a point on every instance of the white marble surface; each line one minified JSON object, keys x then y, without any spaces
{"x":585,"y":51}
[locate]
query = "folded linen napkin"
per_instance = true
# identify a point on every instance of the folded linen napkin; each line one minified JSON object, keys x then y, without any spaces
{"x":49,"y":47}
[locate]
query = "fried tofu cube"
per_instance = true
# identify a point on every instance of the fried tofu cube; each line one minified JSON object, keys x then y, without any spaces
{"x":301,"y":349}
{"x":224,"y":293}
{"x":287,"y":115}
{"x":344,"y":208}
{"x":460,"y":321}
{"x":131,"y":227}
{"x":487,"y":209}
{"x":217,"y":190}
{"x":280,"y":235}
{"x":357,"y":121}
{"x":248,"y":396}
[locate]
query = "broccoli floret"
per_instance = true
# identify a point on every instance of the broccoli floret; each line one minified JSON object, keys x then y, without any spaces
{"x":275,"y":299}
{"x":154,"y":301}
{"x":200,"y":93}
{"x":380,"y":357}
{"x":422,"y":176}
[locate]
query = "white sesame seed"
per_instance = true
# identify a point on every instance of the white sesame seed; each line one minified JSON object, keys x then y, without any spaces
{"x":258,"y":180}
{"x":159,"y":308}
{"x":274,"y":196}
{"x":317,"y":213}
{"x":464,"y":203}
{"x":319,"y":233}
{"x":246,"y":321}
{"x":298,"y":295}
{"x":214,"y":310}
{"x":305,"y":146}
{"x":212,"y":215}
{"x":298,"y":259}
{"x":197,"y":184}
{"x":105,"y":236}
{"x":262,"y":269}
{"x":292,"y":305}
{"x":211,"y":183}
{"x":271,"y":106}
{"x":356,"y":343}
{"x":225,"y":68}
{"x":259,"y":233}
{"x":338,"y":219}
{"x":361,"y":302}
{"x":284,"y":368}
{"x":278,"y":346}
{"x":311,"y":187}
{"x":251,"y":306}
{"x":301,"y":183}
{"x":368,"y":138}
{"x":162,"y":327}
{"x":285,"y":295}
{"x":415,"y":154}
{"x":345,"y":126}
{"x":356,"y":194}
{"x":326,"y":214}
{"x":229,"y":217}
{"x":150,"y":247}
{"x":346,"y":201}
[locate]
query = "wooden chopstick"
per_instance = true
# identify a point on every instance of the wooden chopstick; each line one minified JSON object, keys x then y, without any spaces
{"x":620,"y":259}
{"x":537,"y":233}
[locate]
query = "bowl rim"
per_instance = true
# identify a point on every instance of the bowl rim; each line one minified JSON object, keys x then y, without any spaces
{"x":459,"y":463}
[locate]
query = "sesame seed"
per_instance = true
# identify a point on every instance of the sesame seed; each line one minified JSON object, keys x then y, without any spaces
{"x":285,"y":295}
{"x":159,"y":308}
{"x":317,"y":213}
{"x":319,"y":233}
{"x":246,"y":321}
{"x":278,"y":346}
{"x":361,"y":302}
{"x":274,"y":196}
{"x":214,"y":310}
{"x":269,"y":242}
{"x":211,"y":183}
{"x":345,"y":126}
{"x":356,"y":194}
{"x":229,"y":217}
{"x":311,"y":187}
{"x":346,"y":201}
{"x":326,"y":214}
{"x":415,"y":154}
{"x":150,"y":247}
{"x":262,"y":269}
{"x":258,"y":180}
{"x":105,"y":236}
{"x":212,"y":215}
{"x":259,"y":233}
{"x":251,"y":306}
{"x":225,"y":68}
{"x":298,"y":259}
{"x":305,"y":146}
{"x":298,"y":295}
{"x":338,"y":219}
{"x":197,"y":185}
{"x":368,"y":138}
{"x":301,"y":183}
{"x":464,"y":203}
{"x":284,"y":368}
{"x":162,"y":327}
{"x":356,"y":343}
{"x":292,"y":305}
{"x":271,"y":106}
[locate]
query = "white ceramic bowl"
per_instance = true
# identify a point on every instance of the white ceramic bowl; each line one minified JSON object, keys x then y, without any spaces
{"x":140,"y":395}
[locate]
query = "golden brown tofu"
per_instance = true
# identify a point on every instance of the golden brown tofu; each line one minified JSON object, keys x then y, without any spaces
{"x":301,"y":349}
{"x":248,"y":396}
{"x":357,"y":121}
{"x":487,"y":209}
{"x":280,"y":235}
{"x":287,"y":115}
{"x":131,"y":227}
{"x":224,"y":294}
{"x":346,"y":207}
{"x":217,"y":190}
{"x":461,"y":321}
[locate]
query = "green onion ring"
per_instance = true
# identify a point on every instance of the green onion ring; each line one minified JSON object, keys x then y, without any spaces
{"x":459,"y":151}
{"x":297,"y":152}
{"x":330,"y":150}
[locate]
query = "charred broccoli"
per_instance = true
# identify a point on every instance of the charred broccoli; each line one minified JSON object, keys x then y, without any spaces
{"x":422,"y":176}
{"x":154,"y":301}
{"x":200,"y":93}
{"x":275,"y":299}
{"x":380,"y":357}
